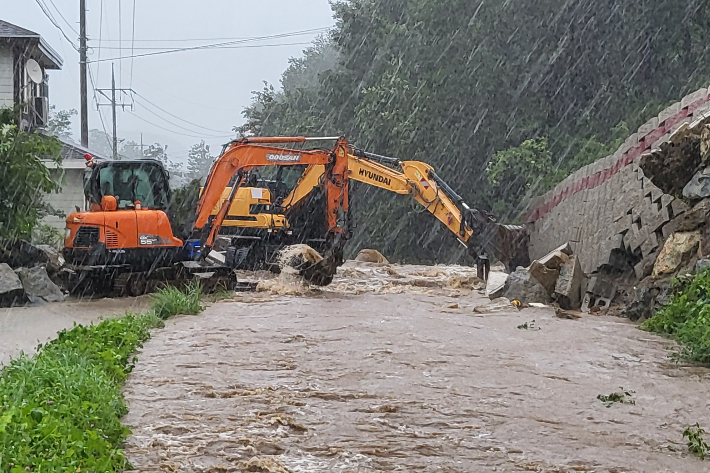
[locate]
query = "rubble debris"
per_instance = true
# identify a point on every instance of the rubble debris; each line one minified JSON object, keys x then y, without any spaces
{"x":644,"y":268}
{"x":566,"y":314}
{"x":521,"y":285}
{"x":216,"y":257}
{"x":699,"y":186}
{"x":495,"y":284}
{"x":678,"y":250}
{"x":557,"y":257}
{"x":221,"y":243}
{"x":568,"y":290}
{"x":37,"y":285}
{"x":371,"y":256}
{"x":544,"y":275}
{"x":10,"y":285}
{"x":532,"y":325}
{"x":601,"y":290}
{"x":19,"y":253}
{"x":497,"y":305}
{"x":53,"y":258}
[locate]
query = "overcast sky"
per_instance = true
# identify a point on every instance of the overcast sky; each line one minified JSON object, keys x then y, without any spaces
{"x":209,"y":88}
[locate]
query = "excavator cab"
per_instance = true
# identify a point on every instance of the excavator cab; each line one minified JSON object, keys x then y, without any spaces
{"x":127,"y":222}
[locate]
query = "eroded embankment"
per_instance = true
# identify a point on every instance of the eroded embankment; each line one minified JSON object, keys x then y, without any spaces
{"x":345,"y":380}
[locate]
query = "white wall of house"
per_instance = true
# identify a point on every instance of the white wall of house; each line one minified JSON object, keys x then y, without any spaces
{"x":6,"y":78}
{"x":71,"y":196}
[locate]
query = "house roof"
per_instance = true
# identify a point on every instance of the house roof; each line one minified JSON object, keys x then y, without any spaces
{"x":41,"y":51}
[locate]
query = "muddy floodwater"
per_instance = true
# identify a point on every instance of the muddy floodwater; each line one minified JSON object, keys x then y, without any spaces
{"x":390,"y":369}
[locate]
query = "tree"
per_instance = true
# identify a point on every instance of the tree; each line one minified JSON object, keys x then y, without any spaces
{"x":156,"y":151}
{"x":199,"y":161}
{"x":24,"y":178}
{"x":59,"y":122}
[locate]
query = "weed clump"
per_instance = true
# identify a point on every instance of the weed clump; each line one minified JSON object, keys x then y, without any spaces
{"x":686,"y":319}
{"x":622,"y":397}
{"x":172,"y":301}
{"x":696,"y":443}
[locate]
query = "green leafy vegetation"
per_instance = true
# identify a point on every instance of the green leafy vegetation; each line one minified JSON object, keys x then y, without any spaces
{"x":60,"y":410}
{"x":686,"y":319}
{"x":455,"y":82}
{"x":622,"y":397}
{"x":696,"y":443}
{"x":172,"y":301}
{"x":24,"y":177}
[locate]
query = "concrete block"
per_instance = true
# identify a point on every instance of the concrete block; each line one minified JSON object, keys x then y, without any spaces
{"x":647,"y":127}
{"x":600,"y":286}
{"x":544,"y":275}
{"x":568,"y":289}
{"x":669,"y":112}
{"x":702,"y":111}
{"x":657,"y":144}
{"x":678,"y":207}
{"x":698,"y":95}
{"x":630,"y":142}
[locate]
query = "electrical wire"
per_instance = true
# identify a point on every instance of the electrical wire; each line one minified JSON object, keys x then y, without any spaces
{"x":120,"y":52}
{"x":98,"y":109}
{"x":62,"y":16}
{"x":101,"y":29}
{"x":314,"y":30}
{"x":225,"y":44}
{"x":133,"y":38}
{"x":180,"y":126}
{"x":51,"y":18}
{"x":175,"y":116}
{"x":173,"y":131}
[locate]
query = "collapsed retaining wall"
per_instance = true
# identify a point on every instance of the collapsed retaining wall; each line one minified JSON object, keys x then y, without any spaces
{"x":609,"y":211}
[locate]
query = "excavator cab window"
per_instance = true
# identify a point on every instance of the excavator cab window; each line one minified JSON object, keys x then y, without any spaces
{"x":128,"y":182}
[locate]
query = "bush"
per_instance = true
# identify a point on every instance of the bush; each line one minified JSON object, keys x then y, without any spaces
{"x":686,"y":319}
{"x":172,"y":301}
{"x":61,"y":410}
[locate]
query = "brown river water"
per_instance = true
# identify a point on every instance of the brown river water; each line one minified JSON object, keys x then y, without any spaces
{"x":390,"y":369}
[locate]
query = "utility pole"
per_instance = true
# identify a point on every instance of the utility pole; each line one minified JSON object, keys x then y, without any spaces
{"x":113,"y":105}
{"x":82,"y":75}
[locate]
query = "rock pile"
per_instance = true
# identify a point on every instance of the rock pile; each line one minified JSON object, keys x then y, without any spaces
{"x":556,"y":277}
{"x":32,"y":279}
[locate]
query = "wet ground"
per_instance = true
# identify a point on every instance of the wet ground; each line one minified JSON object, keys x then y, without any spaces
{"x":23,"y":328}
{"x":390,"y":369}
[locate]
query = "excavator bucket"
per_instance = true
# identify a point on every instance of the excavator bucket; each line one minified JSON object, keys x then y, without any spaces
{"x":308,"y":263}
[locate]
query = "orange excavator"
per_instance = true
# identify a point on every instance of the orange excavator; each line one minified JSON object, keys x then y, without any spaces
{"x":256,"y":220}
{"x":126,"y":237}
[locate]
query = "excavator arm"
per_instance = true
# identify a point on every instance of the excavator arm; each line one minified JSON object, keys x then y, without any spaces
{"x":248,"y":153}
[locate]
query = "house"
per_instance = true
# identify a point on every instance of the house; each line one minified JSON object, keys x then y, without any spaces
{"x":24,"y":59}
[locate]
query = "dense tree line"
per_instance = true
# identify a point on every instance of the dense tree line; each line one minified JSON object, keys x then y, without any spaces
{"x":453,"y":82}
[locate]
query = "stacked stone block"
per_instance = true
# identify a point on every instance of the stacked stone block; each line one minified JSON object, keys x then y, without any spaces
{"x":610,"y":205}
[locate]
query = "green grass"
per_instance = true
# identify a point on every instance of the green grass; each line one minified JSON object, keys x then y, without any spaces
{"x":172,"y":301}
{"x":686,"y":319}
{"x":60,"y":410}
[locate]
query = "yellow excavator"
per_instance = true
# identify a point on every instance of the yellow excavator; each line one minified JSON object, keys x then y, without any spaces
{"x":263,"y":217}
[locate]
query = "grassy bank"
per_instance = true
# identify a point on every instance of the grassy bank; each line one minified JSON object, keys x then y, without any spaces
{"x":686,"y":319}
{"x":60,"y":410}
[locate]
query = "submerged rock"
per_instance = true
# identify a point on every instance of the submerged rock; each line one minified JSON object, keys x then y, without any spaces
{"x":371,"y":256}
{"x":38,"y":286}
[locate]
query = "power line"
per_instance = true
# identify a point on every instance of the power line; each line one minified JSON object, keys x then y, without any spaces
{"x":253,"y":46}
{"x":49,"y":15}
{"x":175,"y":116}
{"x":96,"y":100}
{"x":133,"y":37}
{"x":173,"y":131}
{"x":120,"y":43}
{"x":62,"y":16}
{"x":228,"y":43}
{"x":101,"y":30}
{"x":180,"y":126}
{"x":315,"y":30}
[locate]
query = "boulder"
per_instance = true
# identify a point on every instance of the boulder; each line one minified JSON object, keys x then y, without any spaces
{"x":10,"y":284}
{"x":17,"y":253}
{"x":500,"y":304}
{"x":53,"y":258}
{"x":568,"y":290}
{"x":522,"y":286}
{"x":693,"y":219}
{"x":37,"y":285}
{"x":555,"y":260}
{"x":545,"y":276}
{"x":678,"y":250}
{"x":699,"y":185}
{"x":371,"y":256}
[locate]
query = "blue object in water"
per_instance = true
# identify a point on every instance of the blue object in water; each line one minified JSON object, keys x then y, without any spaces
{"x":193,"y":248}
